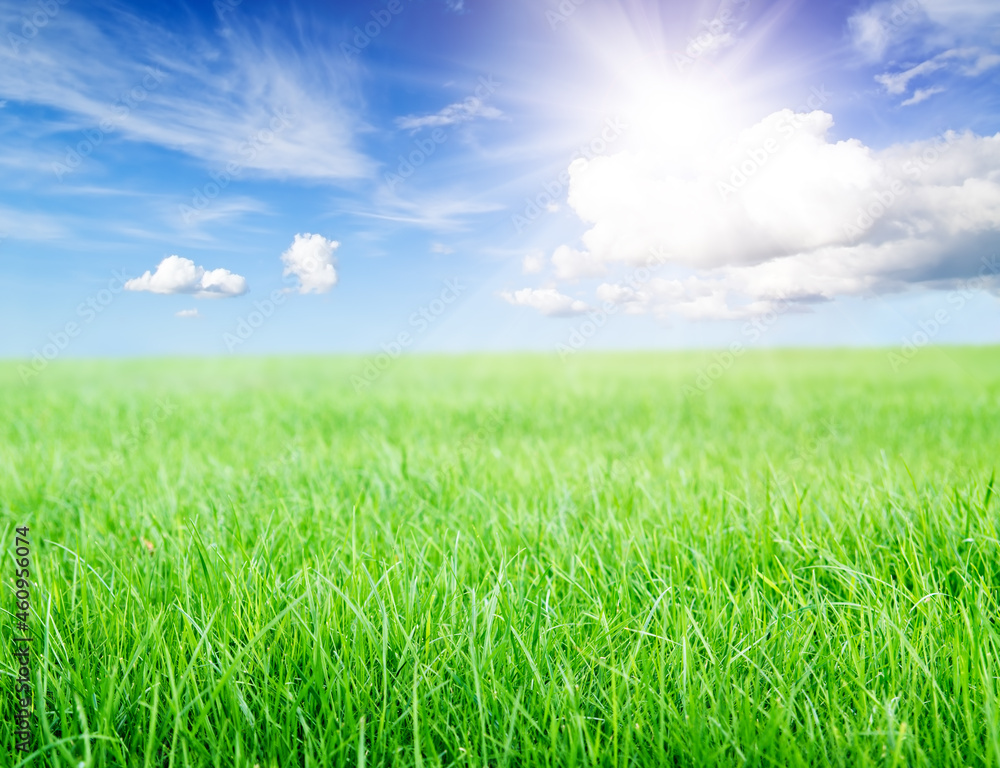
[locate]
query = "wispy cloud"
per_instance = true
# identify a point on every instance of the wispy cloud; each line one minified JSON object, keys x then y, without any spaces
{"x":897,"y":82}
{"x":948,"y":62}
{"x":922,"y":94}
{"x":459,"y":112}
{"x":431,"y":211}
{"x":214,"y":92}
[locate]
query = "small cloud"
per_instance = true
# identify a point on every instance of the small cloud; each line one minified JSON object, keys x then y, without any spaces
{"x":548,"y":301}
{"x":896,"y":83}
{"x":922,"y":94}
{"x":984,"y":62}
{"x":310,"y":258}
{"x":459,"y":112}
{"x":176,"y":274}
{"x":188,"y":313}
{"x":884,"y":25}
{"x":869,"y":33}
{"x":441,"y":248}
{"x":533,"y":263}
{"x":571,"y":264}
{"x":456,"y":5}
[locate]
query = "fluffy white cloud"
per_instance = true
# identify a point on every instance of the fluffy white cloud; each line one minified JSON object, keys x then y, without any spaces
{"x":872,"y":29}
{"x":311,"y":259}
{"x":548,"y":301}
{"x":188,"y":313}
{"x":785,"y":214}
{"x":533,"y":263}
{"x":176,"y":274}
{"x":571,"y":264}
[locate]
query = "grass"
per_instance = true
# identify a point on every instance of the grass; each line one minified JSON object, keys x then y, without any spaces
{"x":509,"y":561}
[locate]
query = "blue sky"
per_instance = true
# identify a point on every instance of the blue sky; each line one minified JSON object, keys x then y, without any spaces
{"x":252,"y":177}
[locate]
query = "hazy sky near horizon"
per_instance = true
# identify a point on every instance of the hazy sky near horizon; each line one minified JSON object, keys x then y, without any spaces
{"x":260,"y":177}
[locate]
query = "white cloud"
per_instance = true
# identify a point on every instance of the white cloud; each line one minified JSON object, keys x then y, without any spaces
{"x":957,"y":12}
{"x":897,"y":83}
{"x":441,"y":248}
{"x":176,"y":274}
{"x":783,"y":213}
{"x":188,"y":313}
{"x":891,"y":25}
{"x":548,"y":301}
{"x":459,"y":112}
{"x":311,"y":259}
{"x":428,"y":210}
{"x":984,"y":62}
{"x":533,"y":263}
{"x":246,"y":97}
{"x":633,"y":300}
{"x":571,"y":264}
{"x":922,"y":94}
{"x":872,"y":30}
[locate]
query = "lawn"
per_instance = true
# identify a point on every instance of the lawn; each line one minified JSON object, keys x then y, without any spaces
{"x":508,"y":560}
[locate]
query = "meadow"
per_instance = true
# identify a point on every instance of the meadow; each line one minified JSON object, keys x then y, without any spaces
{"x":508,"y":560}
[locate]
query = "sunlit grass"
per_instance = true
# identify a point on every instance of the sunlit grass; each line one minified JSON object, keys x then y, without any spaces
{"x":509,"y":561}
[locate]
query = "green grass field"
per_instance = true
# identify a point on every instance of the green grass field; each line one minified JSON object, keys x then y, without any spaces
{"x":508,"y":560}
